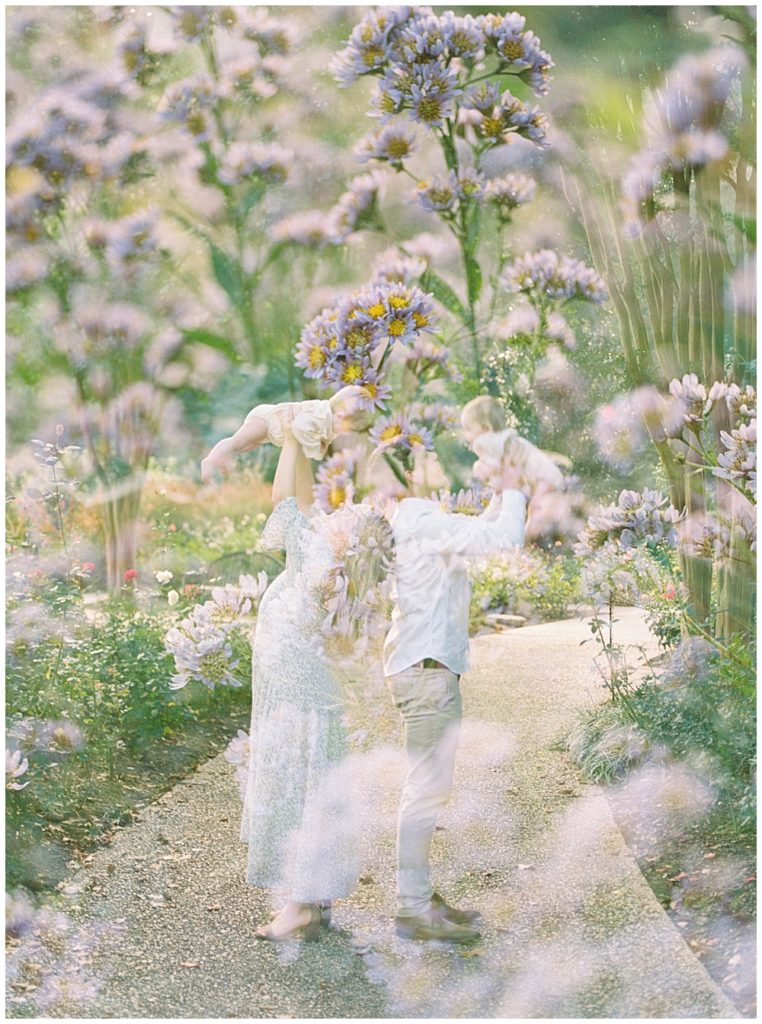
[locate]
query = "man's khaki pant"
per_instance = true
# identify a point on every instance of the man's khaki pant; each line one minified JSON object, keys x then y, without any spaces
{"x":428,"y":699}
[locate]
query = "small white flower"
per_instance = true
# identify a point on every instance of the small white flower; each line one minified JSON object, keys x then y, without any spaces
{"x":163,"y":576}
{"x":173,"y":597}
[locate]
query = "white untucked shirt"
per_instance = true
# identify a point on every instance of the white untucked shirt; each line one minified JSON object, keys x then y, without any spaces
{"x":431,"y":588}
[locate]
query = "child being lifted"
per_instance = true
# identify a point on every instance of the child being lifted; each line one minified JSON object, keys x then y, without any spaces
{"x":484,"y":425}
{"x":314,"y":425}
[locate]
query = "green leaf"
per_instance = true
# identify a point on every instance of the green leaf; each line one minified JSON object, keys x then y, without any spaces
{"x":251,"y":198}
{"x":747,"y":226}
{"x":473,"y":279}
{"x":473,"y":228}
{"x":222,"y":344}
{"x":442,"y":292}
{"x":227,"y":273}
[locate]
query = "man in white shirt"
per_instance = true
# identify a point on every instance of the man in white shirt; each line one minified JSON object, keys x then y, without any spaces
{"x":425,"y":653}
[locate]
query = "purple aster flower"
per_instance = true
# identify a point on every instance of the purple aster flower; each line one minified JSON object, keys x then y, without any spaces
{"x":368,"y":48}
{"x":738,"y":462}
{"x":355,"y":207}
{"x":464,"y":36}
{"x":267,"y":161}
{"x":391,"y":144}
{"x":391,"y":266}
{"x":432,"y":94}
{"x":544,"y":274}
{"x":319,"y":344}
{"x":389,"y":431}
{"x":508,"y":192}
{"x":422,"y":39}
{"x":691,"y":394}
{"x":471,"y":184}
{"x":437,"y":194}
{"x":133,"y":237}
{"x":483,"y":97}
{"x":192,"y":22}
{"x":311,"y":228}
{"x":334,"y":491}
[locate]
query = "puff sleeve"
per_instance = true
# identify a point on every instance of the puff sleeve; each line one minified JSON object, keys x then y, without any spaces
{"x":313,"y":427}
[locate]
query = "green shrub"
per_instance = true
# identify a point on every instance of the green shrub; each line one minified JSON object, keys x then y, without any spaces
{"x":528,"y":581}
{"x":606,"y":744}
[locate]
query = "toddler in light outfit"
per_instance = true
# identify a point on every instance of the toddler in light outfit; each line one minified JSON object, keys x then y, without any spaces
{"x":483,"y":422}
{"x":314,"y":424}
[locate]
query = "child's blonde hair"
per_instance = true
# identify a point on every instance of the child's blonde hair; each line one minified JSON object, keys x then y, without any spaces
{"x":484,"y":412}
{"x":346,"y":404}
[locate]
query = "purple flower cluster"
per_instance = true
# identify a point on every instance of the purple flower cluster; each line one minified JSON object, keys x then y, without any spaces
{"x":471,"y":502}
{"x":354,"y":210}
{"x":497,"y":117}
{"x":545,"y":275}
{"x":683,"y":126}
{"x":333,"y":480}
{"x":189,"y":103}
{"x":636,"y":519}
{"x":267,"y":162}
{"x":420,"y":54}
{"x":71,"y":133}
{"x":445,"y":195}
{"x":738,"y":461}
{"x":354,"y":597}
{"x":625,"y":426}
{"x":339,"y":345}
{"x":508,"y":192}
{"x":398,"y":431}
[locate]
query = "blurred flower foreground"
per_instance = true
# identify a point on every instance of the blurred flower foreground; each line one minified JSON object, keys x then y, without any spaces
{"x":209,"y":208}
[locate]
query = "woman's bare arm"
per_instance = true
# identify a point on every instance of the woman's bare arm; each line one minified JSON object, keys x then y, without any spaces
{"x":304,"y":482}
{"x":284,"y":483}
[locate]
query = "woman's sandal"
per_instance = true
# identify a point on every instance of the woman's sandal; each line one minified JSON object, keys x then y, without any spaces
{"x":309,"y":932}
{"x":325,"y":912}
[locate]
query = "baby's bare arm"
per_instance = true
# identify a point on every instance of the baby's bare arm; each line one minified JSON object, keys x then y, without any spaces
{"x":250,"y":435}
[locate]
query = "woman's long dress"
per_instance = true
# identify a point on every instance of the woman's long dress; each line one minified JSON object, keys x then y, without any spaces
{"x":298,"y":816}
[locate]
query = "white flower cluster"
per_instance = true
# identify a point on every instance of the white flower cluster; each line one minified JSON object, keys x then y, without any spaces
{"x":201,"y":643}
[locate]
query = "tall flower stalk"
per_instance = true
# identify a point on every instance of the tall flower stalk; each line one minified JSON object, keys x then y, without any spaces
{"x":441,"y":72}
{"x":674,"y":241}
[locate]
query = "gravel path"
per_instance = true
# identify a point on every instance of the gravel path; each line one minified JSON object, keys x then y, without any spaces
{"x":572,"y":928}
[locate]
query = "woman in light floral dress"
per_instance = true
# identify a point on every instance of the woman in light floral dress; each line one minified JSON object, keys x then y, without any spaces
{"x":298,"y":818}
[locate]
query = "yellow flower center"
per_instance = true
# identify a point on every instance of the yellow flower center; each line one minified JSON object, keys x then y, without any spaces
{"x":397,"y":327}
{"x":512,"y":49}
{"x":398,"y":147}
{"x":376,"y":310}
{"x":492,"y":126}
{"x":390,"y":432}
{"x":420,"y":319}
{"x":430,"y":108}
{"x":196,"y":122}
{"x":372,"y":56}
{"x":351,"y":374}
{"x":399,"y":301}
{"x":337,"y":495}
{"x":415,"y":438}
{"x":460,"y":42}
{"x":316,"y":357}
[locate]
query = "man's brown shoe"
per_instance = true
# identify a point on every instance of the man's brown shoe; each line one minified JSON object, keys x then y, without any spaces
{"x":433,"y":925}
{"x":470,"y":917}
